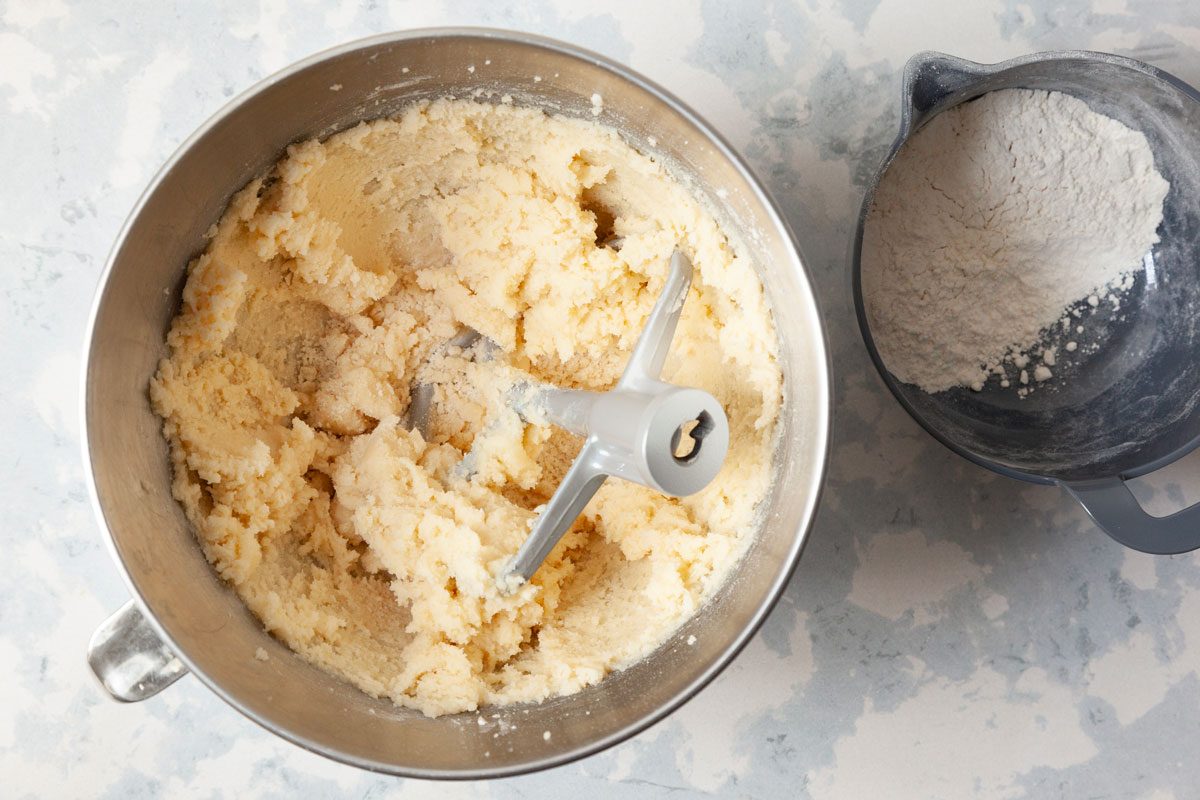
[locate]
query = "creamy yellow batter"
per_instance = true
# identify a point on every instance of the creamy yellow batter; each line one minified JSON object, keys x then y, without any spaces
{"x":332,"y":284}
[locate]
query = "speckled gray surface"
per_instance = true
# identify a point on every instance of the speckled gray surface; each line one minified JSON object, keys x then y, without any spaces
{"x":949,"y":633}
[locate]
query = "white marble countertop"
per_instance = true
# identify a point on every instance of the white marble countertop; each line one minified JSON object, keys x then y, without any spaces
{"x":949,"y":633}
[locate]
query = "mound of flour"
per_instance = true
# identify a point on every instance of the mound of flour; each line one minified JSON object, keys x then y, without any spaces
{"x":997,"y":217}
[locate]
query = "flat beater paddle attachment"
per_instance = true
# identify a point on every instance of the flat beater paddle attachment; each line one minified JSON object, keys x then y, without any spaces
{"x":669,"y":438}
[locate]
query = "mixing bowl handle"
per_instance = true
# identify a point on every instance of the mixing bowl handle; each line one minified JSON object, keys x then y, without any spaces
{"x":130,"y":660}
{"x":1114,"y":508}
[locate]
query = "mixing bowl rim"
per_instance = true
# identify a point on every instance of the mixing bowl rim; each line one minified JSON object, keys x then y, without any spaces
{"x":906,"y":131}
{"x":820,"y":415}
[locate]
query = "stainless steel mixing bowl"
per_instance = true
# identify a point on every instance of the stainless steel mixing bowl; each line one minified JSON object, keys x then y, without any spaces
{"x":185,"y":618}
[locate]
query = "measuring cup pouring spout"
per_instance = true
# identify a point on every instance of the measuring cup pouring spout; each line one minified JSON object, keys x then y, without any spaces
{"x":930,"y":80}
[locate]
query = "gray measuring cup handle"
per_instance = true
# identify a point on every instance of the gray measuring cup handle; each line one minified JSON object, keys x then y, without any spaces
{"x":1114,"y":508}
{"x":129,"y":659}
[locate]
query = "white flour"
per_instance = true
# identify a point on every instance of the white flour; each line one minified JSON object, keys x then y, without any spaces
{"x":996,"y":218}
